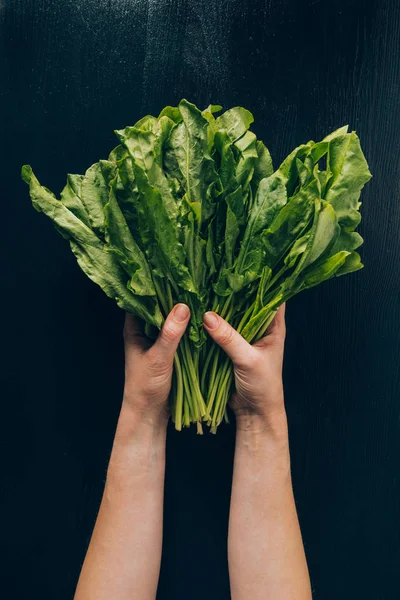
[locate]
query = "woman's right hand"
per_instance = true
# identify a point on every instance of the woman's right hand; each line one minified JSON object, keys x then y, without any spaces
{"x":258,"y":400}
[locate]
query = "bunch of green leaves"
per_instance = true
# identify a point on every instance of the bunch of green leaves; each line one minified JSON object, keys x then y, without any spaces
{"x":188,"y":208}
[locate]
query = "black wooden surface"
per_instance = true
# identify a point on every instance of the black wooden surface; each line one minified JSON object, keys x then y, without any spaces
{"x":71,"y":72}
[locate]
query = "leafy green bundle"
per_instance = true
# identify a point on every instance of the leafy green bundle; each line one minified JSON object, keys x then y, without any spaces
{"x":188,"y":208}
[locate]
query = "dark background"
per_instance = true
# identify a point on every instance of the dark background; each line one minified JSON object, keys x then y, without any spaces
{"x":72,"y":71}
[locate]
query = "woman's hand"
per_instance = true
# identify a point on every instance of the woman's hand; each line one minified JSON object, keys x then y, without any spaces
{"x":148,"y":368}
{"x":123,"y":559}
{"x":258,"y":399}
{"x":265,"y":550}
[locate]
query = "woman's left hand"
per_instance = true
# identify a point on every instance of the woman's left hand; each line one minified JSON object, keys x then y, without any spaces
{"x":148,"y":368}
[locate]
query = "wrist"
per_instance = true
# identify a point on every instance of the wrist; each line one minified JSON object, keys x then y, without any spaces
{"x":139,"y":412}
{"x":262,"y":443}
{"x":272,"y":424}
{"x":138,"y":452}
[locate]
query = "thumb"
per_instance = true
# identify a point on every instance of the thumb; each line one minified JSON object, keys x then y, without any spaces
{"x":236,"y":347}
{"x":134,"y":337}
{"x":165,"y":346}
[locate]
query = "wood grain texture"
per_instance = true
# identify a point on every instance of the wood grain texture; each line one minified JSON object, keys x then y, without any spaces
{"x":71,"y":72}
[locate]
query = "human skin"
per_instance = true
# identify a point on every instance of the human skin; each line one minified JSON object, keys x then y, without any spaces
{"x":123,"y":559}
{"x":265,"y":549}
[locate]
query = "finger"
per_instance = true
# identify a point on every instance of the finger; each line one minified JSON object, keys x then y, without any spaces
{"x":170,"y":335}
{"x":277,"y":329}
{"x":134,"y":336}
{"x":236,"y":347}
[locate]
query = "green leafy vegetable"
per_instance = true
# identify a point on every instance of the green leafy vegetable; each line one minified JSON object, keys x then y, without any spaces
{"x":188,"y":208}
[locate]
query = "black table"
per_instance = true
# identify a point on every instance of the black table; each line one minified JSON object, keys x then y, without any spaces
{"x":71,"y":72}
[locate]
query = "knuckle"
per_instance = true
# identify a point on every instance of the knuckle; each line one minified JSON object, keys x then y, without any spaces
{"x":226,"y":336}
{"x":169,"y":333}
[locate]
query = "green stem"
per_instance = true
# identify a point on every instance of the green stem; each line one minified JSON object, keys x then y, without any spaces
{"x":178,"y":400}
{"x":161,"y":296}
{"x":245,"y":318}
{"x":219,"y":367}
{"x":206,"y":364}
{"x":213,"y":380}
{"x":226,"y":313}
{"x":276,"y":277}
{"x":225,"y":308}
{"x":198,"y":399}
{"x":196,"y":359}
{"x":223,"y":386}
{"x":188,"y":400}
{"x":215,"y":304}
{"x":186,"y":415}
{"x":169,"y":294}
{"x":229,"y":315}
{"x":264,"y":326}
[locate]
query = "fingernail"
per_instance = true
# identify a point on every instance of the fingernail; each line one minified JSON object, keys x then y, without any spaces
{"x":210,"y":320}
{"x":181,"y":313}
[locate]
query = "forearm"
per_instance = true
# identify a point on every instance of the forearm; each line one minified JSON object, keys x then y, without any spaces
{"x":123,"y":559}
{"x":266,"y":555}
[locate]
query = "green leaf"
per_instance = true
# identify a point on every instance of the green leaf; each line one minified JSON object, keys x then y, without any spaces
{"x":298,"y":248}
{"x":324,"y":178}
{"x":98,"y":264}
{"x":263,"y":166}
{"x":288,"y":168}
{"x":195,"y":250}
{"x":227,"y":282}
{"x":212,"y":108}
{"x":127,"y":195}
{"x":70,"y":197}
{"x":162,"y":130}
{"x":146,"y":123}
{"x":338,"y":133}
{"x":270,"y":199}
{"x":347,"y":240}
{"x":326,"y":232}
{"x":227,"y":162}
{"x":289,"y":224}
{"x":160,"y":233}
{"x":235,"y":121}
{"x":208,"y":114}
{"x":103,"y":268}
{"x":172,"y":112}
{"x":190,"y":161}
{"x":235,"y":219}
{"x":94,"y":196}
{"x":304,"y":171}
{"x":143,"y":147}
{"x":156,"y":209}
{"x":121,"y":242}
{"x":118,"y":154}
{"x":349,"y":174}
{"x":318,"y":150}
{"x":351,"y":264}
{"x":323,"y":271}
{"x":246,"y":145}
